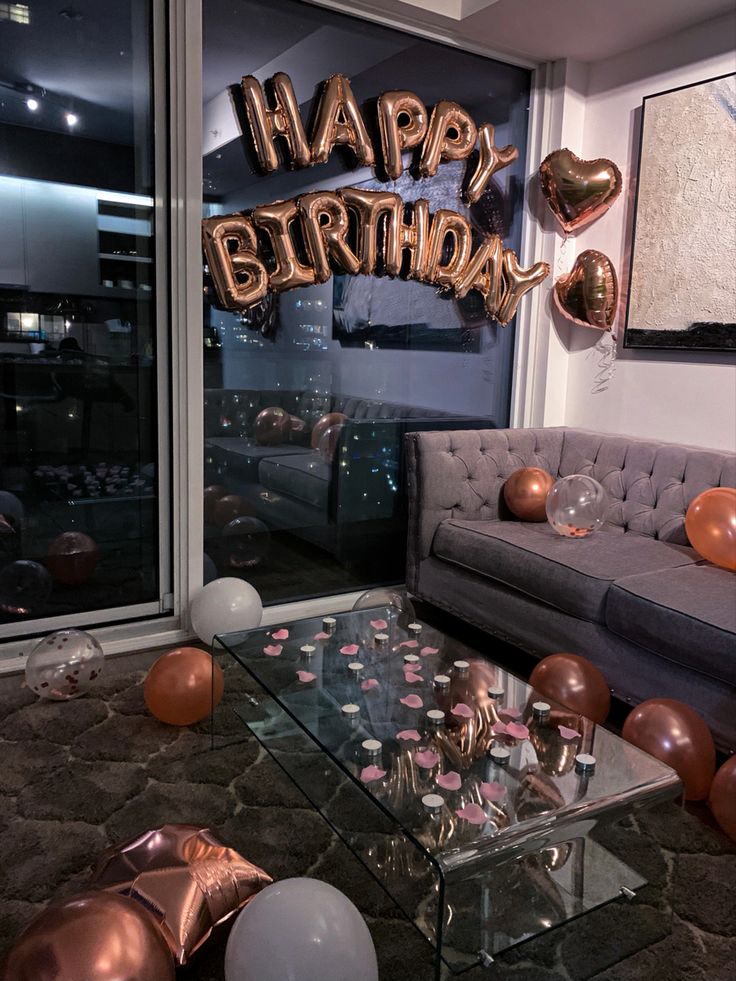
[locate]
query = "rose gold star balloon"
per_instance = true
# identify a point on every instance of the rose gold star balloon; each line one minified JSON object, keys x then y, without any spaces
{"x":185,"y":877}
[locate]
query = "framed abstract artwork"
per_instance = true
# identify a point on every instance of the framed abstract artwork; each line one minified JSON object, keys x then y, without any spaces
{"x":682,"y":288}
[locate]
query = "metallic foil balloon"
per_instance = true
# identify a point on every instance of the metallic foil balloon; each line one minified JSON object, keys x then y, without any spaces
{"x":183,"y":686}
{"x":443,"y":269}
{"x":212,"y":494}
{"x":223,"y":606}
{"x":302,"y":929}
{"x":187,"y":878}
{"x":517,"y":281}
{"x":710,"y":523}
{"x":402,"y":121}
{"x":276,"y":220}
{"x":246,"y":542}
{"x":326,"y":227}
{"x":338,"y":120}
{"x":373,"y":209}
{"x":451,"y":135}
{"x":64,"y":665}
{"x":575,"y":683}
{"x":675,"y":734}
{"x":283,"y":121}
{"x":323,"y":424}
{"x":578,"y":191}
{"x":722,"y":797}
{"x":239,"y":276}
{"x":410,"y":235}
{"x":525,"y":493}
{"x":25,"y":586}
{"x":94,"y":936}
{"x":229,"y":507}
{"x":272,"y":426}
{"x":576,"y":506}
{"x":490,"y":160}
{"x":588,"y":294}
{"x":72,"y":558}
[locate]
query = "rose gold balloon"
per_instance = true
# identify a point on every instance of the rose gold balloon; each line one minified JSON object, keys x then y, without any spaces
{"x":338,"y":120}
{"x":517,"y":282}
{"x":491,"y":159}
{"x":72,"y":558}
{"x":578,"y":191}
{"x":710,"y":524}
{"x":575,"y":683}
{"x":184,"y":873}
{"x":228,"y":508}
{"x":402,"y":120}
{"x":323,"y":424}
{"x":326,"y":226}
{"x":272,"y":426}
{"x":239,"y":276}
{"x":451,"y":135}
{"x":329,"y":442}
{"x":95,"y":936}
{"x":212,"y":495}
{"x":722,"y":797}
{"x":525,"y":493}
{"x":588,"y":294}
{"x":179,"y":688}
{"x":284,"y":120}
{"x":675,"y":734}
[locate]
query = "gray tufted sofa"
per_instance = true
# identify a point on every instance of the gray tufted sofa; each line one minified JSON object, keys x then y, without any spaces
{"x":633,"y":597}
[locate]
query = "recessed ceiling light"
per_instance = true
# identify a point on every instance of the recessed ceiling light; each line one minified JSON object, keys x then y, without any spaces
{"x":71,"y":119}
{"x":32,"y":104}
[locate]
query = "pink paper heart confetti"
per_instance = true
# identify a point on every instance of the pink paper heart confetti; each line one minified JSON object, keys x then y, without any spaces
{"x":282,"y":634}
{"x":412,"y":701}
{"x":450,"y":781}
{"x":412,"y":678}
{"x":427,"y":759}
{"x":568,"y":733}
{"x":462,"y":711}
{"x":510,"y":711}
{"x":306,"y":676}
{"x":426,"y":651}
{"x":498,"y":729}
{"x":369,"y":684}
{"x":379,"y":624}
{"x":349,"y":650}
{"x":321,"y":636}
{"x":273,"y":650}
{"x":493,"y":791}
{"x":409,"y":734}
{"x":473,"y":813}
{"x":409,"y":643}
{"x":517,"y":731}
{"x":370,"y":773}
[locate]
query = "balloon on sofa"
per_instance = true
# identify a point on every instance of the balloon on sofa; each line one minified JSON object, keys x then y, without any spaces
{"x":300,"y":928}
{"x":525,"y":493}
{"x":183,"y":686}
{"x":675,"y":734}
{"x":224,"y":606}
{"x":274,"y":425}
{"x":324,"y":423}
{"x":576,"y":506}
{"x":575,"y":683}
{"x":722,"y":797}
{"x":710,"y":523}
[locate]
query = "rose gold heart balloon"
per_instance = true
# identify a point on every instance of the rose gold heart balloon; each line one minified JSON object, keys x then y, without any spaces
{"x":588,"y":294}
{"x":578,"y":191}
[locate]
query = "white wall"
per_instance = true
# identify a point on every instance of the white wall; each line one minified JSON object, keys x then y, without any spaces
{"x":686,"y":397}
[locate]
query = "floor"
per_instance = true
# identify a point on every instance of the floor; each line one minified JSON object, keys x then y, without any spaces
{"x":78,"y":776}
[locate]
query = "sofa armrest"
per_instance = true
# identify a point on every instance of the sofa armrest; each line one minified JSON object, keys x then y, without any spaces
{"x":461,"y":474}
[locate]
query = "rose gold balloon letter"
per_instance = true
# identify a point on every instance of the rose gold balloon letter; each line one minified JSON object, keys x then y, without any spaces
{"x":239,"y":276}
{"x":268,"y":124}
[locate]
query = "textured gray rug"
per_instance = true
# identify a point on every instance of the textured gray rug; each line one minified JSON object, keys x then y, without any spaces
{"x":76,"y":777}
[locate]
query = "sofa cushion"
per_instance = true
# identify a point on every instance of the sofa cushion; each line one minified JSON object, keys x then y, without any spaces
{"x":573,"y":575}
{"x":687,"y":615}
{"x":305,"y":477}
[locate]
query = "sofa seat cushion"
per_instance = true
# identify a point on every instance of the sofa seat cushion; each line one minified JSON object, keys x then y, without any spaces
{"x":572,"y":575}
{"x":304,"y":476}
{"x":687,"y":615}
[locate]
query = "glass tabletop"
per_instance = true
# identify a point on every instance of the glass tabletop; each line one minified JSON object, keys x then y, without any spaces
{"x":468,"y":760}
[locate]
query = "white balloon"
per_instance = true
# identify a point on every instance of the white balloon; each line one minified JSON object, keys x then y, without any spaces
{"x":300,"y":930}
{"x":224,"y":606}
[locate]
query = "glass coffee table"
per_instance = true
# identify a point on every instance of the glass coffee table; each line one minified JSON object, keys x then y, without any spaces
{"x":482,"y":807}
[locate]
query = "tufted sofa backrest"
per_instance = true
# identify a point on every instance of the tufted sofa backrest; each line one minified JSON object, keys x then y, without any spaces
{"x":650,"y":484}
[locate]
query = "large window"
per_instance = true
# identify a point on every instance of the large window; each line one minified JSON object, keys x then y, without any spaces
{"x":309,"y":394}
{"x":80,"y":522}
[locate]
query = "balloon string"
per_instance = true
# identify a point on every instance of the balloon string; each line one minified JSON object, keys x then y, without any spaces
{"x":606,"y":347}
{"x":562,"y":256}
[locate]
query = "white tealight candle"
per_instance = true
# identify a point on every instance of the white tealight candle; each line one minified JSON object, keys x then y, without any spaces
{"x":414,"y":628}
{"x":500,"y":755}
{"x":410,"y":658}
{"x":329,"y":624}
{"x":436,"y":717}
{"x":371,"y":746}
{"x":585,"y":763}
{"x":432,"y":803}
{"x":351,"y":712}
{"x":381,"y":639}
{"x":355,"y":667}
{"x":495,"y":691}
{"x":307,"y":649}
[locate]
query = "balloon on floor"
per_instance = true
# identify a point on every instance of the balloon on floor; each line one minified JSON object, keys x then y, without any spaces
{"x":722,"y":797}
{"x":94,"y":936}
{"x":575,"y":683}
{"x":64,"y":665}
{"x":183,"y":686}
{"x":223,"y":606}
{"x":300,"y":928}
{"x":675,"y":734}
